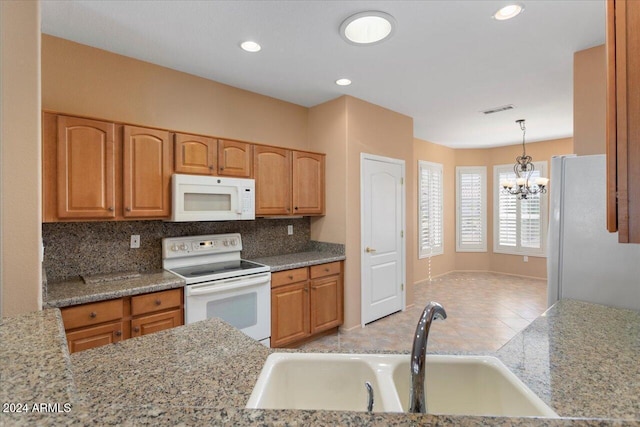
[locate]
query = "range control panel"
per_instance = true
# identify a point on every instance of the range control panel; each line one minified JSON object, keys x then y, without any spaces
{"x":174,"y":247}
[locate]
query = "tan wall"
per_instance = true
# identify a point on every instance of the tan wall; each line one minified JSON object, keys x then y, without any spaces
{"x":502,"y":263}
{"x":589,"y":100}
{"x":374,"y":130}
{"x":21,"y":272}
{"x":426,"y":268}
{"x":79,"y":79}
{"x":328,"y":134}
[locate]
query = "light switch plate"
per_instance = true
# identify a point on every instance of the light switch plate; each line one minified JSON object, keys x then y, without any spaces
{"x":290,"y":230}
{"x":135,"y":241}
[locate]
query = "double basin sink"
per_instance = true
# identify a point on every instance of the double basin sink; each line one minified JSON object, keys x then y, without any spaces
{"x":454,"y":385}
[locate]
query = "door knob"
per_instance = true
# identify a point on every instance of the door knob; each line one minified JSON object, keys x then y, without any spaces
{"x":369,"y":250}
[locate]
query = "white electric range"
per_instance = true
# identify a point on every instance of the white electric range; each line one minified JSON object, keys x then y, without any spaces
{"x":220,"y":283}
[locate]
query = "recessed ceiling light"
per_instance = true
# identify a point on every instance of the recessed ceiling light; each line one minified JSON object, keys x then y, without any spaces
{"x":508,"y":12}
{"x":343,"y":82}
{"x":367,"y":27}
{"x":250,"y":46}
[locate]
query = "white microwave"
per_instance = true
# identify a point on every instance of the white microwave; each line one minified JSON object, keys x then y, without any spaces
{"x":212,"y":198}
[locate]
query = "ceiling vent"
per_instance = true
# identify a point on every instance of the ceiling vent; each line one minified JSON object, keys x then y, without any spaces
{"x":498,"y":109}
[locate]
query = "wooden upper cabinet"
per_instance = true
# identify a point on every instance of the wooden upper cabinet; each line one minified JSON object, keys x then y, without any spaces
{"x":623,"y":119}
{"x":195,"y":154}
{"x":146,"y":172}
{"x":272,"y":172}
{"x":308,"y":183}
{"x":234,"y":158}
{"x":85,"y":168}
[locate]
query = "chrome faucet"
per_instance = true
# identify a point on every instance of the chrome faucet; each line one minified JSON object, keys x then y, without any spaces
{"x":417,"y":397}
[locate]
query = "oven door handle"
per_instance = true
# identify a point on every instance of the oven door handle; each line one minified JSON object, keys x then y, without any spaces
{"x":225,"y":285}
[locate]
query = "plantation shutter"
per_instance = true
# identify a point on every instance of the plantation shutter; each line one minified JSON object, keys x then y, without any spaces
{"x":507,"y":214}
{"x":471,"y":212}
{"x":430,"y":221}
{"x":530,"y":224}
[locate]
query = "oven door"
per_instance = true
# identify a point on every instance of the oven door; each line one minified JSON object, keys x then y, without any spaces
{"x":243,"y":302}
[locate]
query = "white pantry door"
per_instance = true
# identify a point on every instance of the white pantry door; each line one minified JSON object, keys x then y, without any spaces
{"x":382,"y":240}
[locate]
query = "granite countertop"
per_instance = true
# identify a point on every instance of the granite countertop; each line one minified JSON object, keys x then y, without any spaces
{"x":299,"y":259}
{"x":580,"y":358}
{"x":72,"y":292}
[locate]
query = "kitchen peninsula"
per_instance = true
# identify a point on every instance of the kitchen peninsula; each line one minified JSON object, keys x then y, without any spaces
{"x":580,"y":358}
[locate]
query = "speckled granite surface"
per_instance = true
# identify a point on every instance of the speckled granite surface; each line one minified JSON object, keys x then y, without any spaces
{"x":299,"y":259}
{"x":203,"y":374}
{"x":582,"y":359}
{"x":72,"y":292}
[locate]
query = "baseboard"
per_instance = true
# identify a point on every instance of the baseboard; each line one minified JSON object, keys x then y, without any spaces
{"x":477,"y":271}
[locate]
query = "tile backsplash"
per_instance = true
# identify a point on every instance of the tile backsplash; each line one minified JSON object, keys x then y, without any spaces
{"x":89,"y":248}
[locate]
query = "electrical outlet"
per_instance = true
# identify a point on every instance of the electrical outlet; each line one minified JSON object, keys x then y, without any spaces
{"x":290,"y":230}
{"x":135,"y":241}
{"x":525,"y":258}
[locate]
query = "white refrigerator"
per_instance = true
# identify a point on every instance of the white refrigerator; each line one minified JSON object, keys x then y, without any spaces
{"x":585,"y":261}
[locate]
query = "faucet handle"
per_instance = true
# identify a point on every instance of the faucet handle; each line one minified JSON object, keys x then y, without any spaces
{"x":369,"y":388}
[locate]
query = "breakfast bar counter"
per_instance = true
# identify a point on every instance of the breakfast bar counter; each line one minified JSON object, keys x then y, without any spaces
{"x":580,"y":358}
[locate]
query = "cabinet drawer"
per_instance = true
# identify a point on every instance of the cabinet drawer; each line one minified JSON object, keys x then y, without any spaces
{"x":325,"y":269}
{"x":288,"y":276}
{"x":156,"y":301}
{"x":92,"y":314}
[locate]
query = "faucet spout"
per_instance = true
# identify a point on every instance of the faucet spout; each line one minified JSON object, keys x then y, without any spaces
{"x":417,"y":400}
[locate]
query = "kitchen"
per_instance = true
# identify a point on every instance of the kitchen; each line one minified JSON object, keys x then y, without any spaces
{"x":61,"y":75}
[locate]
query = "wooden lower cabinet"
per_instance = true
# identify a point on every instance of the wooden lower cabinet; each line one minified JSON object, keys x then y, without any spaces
{"x":305,"y":302}
{"x":95,"y":336}
{"x":151,"y":323}
{"x":106,"y":322}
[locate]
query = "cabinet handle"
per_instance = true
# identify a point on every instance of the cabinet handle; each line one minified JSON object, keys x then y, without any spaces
{"x":158,"y":302}
{"x":110,"y":208}
{"x":306,"y":289}
{"x":118,"y":333}
{"x":127,"y":209}
{"x":136,"y":329}
{"x":93,"y":314}
{"x":290,"y":277}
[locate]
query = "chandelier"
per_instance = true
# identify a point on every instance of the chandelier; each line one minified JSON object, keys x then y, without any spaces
{"x":523,"y":187}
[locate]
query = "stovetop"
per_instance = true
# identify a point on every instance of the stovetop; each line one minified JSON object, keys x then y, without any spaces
{"x":218,"y":269}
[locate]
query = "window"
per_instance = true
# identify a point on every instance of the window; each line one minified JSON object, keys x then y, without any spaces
{"x":519,"y":226}
{"x":430,"y":209}
{"x":471,"y":209}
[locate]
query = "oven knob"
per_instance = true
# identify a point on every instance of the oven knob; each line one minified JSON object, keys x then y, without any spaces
{"x":225,"y":242}
{"x":174,"y":247}
{"x":234,"y":242}
{"x":183,"y":247}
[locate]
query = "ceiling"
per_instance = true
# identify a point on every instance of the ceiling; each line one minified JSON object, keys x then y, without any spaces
{"x":447,"y":61}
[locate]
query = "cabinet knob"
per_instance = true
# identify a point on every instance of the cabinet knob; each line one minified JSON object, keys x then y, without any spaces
{"x":93,"y":314}
{"x":136,"y":329}
{"x":221,"y":168}
{"x":326,"y":269}
{"x":118,"y":333}
{"x":110,"y":208}
{"x":296,"y":208}
{"x":306,"y":289}
{"x":158,"y":302}
{"x":290,"y":277}
{"x":128,"y":209}
{"x":211,"y":167}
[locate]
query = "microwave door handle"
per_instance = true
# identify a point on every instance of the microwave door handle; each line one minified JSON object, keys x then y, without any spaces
{"x":225,"y":285}
{"x":239,"y":205}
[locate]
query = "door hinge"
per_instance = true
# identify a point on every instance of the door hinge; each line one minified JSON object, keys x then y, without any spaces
{"x":401,"y":181}
{"x":402,"y":233}
{"x":402,"y":286}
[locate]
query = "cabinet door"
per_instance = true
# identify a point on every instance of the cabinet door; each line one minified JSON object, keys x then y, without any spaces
{"x":156,"y":322}
{"x":85,"y":168}
{"x":195,"y":154}
{"x":234,"y":158}
{"x":308,"y":183}
{"x":326,"y":303}
{"x":289,"y":314}
{"x":272,"y":172}
{"x":146,"y":172}
{"x":94,"y":336}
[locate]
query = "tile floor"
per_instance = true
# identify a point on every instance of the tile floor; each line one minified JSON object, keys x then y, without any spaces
{"x":485,"y":310}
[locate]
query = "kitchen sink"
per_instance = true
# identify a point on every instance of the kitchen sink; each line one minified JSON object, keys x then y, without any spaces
{"x":471,"y":385}
{"x":455,"y":385}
